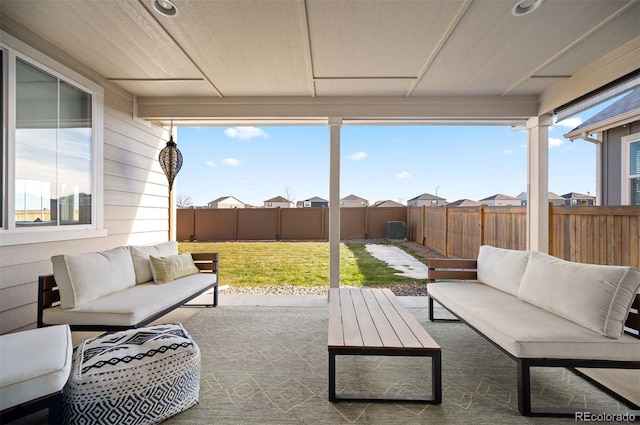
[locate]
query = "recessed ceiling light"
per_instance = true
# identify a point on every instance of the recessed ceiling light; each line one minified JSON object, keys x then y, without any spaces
{"x":524,"y":7}
{"x":165,"y":7}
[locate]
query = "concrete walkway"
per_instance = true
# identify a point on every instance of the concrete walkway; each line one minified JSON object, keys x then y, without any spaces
{"x":399,"y":260}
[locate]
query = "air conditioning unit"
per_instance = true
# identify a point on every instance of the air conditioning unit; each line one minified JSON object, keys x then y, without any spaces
{"x":396,"y":230}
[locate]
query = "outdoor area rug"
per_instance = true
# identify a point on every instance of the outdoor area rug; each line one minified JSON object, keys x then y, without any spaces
{"x":269,"y":365}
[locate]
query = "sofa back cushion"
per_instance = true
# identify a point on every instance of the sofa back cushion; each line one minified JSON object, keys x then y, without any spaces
{"x":596,"y":297}
{"x":502,"y":268}
{"x":140,"y":255}
{"x":82,"y":278}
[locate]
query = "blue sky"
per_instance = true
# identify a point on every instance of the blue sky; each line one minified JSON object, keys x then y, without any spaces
{"x":398,"y":163}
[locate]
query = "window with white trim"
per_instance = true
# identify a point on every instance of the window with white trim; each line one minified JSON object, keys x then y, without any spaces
{"x":49,"y":156}
{"x":634,"y":173}
{"x":53,"y":144}
{"x":630,"y":170}
{"x":3,"y":143}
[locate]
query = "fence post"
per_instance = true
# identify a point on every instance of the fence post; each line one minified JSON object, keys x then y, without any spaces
{"x":193,"y":229}
{"x":446,"y":230}
{"x":408,"y":221}
{"x":424,"y":226}
{"x":279,"y":224}
{"x":366,"y":223}
{"x":237,"y":224}
{"x":481,"y":225}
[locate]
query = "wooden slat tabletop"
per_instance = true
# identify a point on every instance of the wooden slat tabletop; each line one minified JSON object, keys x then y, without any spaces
{"x":373,"y":318}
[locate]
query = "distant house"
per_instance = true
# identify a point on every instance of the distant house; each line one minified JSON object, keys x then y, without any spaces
{"x":387,"y":203}
{"x":554,"y":199}
{"x":616,"y":133}
{"x":500,"y":200}
{"x":464,"y":203}
{"x":226,"y":202}
{"x":278,"y":202}
{"x":352,"y":201}
{"x":573,"y":198}
{"x":313,"y":202}
{"x":427,"y":200}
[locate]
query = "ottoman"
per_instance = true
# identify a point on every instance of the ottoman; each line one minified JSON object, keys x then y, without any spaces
{"x":137,"y":376}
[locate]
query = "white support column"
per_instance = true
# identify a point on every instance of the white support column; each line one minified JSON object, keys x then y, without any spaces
{"x":334,"y":202}
{"x":538,"y":183}
{"x":172,"y":215}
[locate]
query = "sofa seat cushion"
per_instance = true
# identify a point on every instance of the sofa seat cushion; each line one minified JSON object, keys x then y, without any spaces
{"x":33,"y":364}
{"x":83,"y":278}
{"x":527,"y":331}
{"x":128,"y":307}
{"x":140,"y":256}
{"x":502,"y":268}
{"x":596,"y":297}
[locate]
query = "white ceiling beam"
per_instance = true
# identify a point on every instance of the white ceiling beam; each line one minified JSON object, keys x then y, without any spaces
{"x":478,"y":108}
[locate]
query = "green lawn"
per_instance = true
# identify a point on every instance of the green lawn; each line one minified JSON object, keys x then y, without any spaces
{"x":295,"y":263}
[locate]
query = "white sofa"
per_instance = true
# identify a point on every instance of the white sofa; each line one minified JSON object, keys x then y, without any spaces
{"x":34,"y":368}
{"x":543,"y":311}
{"x":119,"y":289}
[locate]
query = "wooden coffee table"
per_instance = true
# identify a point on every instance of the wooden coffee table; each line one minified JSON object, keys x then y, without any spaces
{"x":373,"y":322}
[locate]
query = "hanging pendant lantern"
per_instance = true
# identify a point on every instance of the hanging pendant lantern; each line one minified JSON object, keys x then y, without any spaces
{"x":170,"y":159}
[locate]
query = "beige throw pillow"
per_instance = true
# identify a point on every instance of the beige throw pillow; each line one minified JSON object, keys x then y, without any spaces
{"x":166,"y":269}
{"x":140,"y":255}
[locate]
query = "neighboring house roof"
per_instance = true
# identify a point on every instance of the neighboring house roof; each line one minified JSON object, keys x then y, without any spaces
{"x":224,"y":198}
{"x":427,"y":197}
{"x":278,"y":199}
{"x":621,"y":112}
{"x":387,"y":203}
{"x":464,"y":203}
{"x":554,"y":196}
{"x":353,"y":198}
{"x":575,"y":195}
{"x":316,"y":199}
{"x":499,"y":197}
{"x":550,"y":195}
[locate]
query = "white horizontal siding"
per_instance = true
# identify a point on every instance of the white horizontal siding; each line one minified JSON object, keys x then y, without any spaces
{"x":135,"y":212}
{"x":131,"y":199}
{"x":126,"y":227}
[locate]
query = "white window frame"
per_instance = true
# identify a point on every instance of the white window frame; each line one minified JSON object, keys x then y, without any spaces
{"x":9,"y":233}
{"x":625,"y":174}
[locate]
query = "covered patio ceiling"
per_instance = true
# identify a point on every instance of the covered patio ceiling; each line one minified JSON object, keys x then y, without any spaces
{"x":337,"y":62}
{"x":297,"y":61}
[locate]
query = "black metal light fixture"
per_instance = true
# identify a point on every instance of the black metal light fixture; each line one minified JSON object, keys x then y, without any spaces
{"x":170,"y":159}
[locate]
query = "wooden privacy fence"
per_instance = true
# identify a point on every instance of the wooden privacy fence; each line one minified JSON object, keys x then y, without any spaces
{"x":296,"y":224}
{"x":586,"y":234}
{"x":597,"y":235}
